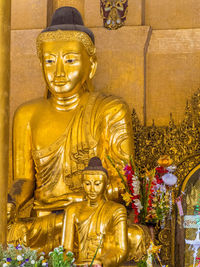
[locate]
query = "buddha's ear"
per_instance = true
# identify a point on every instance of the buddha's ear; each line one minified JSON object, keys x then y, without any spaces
{"x":108,"y":183}
{"x":93,"y":61}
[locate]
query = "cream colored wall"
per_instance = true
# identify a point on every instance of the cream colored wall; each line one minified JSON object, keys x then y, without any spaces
{"x":172,"y":14}
{"x":28,"y":17}
{"x":155,"y":70}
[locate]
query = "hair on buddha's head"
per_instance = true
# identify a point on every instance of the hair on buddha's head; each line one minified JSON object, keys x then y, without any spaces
{"x":95,"y":167}
{"x":67,"y":25}
{"x":95,"y":164}
{"x":68,"y":18}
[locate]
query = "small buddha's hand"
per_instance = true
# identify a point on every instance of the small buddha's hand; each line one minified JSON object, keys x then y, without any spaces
{"x":11,"y":212}
{"x":107,"y":260}
{"x":75,"y":197}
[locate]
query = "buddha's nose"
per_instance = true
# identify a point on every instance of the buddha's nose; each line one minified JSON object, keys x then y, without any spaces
{"x":60,"y":72}
{"x":92,"y":188}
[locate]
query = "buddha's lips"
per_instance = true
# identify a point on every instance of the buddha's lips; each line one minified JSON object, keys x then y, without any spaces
{"x":60,"y":83}
{"x":92,"y":195}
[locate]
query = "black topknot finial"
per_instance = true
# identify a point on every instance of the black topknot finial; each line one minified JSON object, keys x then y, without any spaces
{"x":68,"y":18}
{"x":95,"y":164}
{"x":66,"y":15}
{"x":95,"y":161}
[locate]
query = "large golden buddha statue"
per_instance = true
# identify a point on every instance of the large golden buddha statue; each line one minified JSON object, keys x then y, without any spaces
{"x":54,"y":137}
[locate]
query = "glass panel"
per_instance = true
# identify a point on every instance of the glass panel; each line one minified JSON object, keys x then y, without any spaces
{"x":192,"y":208}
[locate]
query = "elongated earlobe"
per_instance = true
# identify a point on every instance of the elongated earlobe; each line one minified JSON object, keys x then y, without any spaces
{"x":93,"y":60}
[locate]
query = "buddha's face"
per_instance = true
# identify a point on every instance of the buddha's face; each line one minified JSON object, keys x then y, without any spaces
{"x":94,"y":185}
{"x":66,"y":66}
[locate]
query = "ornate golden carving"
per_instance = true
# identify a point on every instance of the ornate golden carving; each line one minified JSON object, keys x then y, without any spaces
{"x":114,"y":13}
{"x":181,"y":143}
{"x":65,"y":36}
{"x":165,"y":239}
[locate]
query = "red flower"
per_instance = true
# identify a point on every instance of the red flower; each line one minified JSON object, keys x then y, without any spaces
{"x":151,"y":196}
{"x":153,"y":183}
{"x":128,"y":168}
{"x":161,"y":170}
{"x":149,"y":208}
{"x":133,"y":206}
{"x":159,"y":181}
{"x":152,"y":190}
{"x":136,"y":220}
{"x":135,"y":197}
{"x":136,"y":212}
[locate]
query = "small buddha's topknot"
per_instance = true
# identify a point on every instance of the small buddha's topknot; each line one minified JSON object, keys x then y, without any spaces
{"x":95,"y":164}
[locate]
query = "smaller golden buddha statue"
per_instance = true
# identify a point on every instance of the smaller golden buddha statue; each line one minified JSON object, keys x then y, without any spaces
{"x":98,"y":224}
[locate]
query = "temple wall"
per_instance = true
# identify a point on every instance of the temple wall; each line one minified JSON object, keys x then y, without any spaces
{"x":120,"y":67}
{"x":28,"y":17}
{"x":153,"y":62}
{"x":173,"y":73}
{"x":172,"y":14}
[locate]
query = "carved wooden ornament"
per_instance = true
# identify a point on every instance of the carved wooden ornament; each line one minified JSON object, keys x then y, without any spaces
{"x":114,"y":13}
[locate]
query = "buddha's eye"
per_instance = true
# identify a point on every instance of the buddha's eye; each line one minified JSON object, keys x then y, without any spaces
{"x":87,"y":183}
{"x":97,"y":183}
{"x":49,"y":61}
{"x":70,"y":61}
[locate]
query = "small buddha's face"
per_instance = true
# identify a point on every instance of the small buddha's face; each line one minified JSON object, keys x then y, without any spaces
{"x":66,"y":66}
{"x":94,"y":185}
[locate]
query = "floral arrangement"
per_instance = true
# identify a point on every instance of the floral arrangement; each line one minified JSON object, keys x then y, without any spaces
{"x":155,"y":196}
{"x":129,"y":181}
{"x":22,"y":256}
{"x":133,"y":196}
{"x":148,"y":195}
{"x":57,"y":258}
{"x":157,"y":192}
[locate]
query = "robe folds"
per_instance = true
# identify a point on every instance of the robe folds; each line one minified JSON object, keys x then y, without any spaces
{"x":100,"y":126}
{"x":104,"y":230}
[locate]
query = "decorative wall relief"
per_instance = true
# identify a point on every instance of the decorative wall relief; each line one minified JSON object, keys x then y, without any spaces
{"x":114,"y":13}
{"x":180,"y":142}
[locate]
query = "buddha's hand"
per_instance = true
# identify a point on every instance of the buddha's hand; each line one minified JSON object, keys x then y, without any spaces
{"x":11,"y":212}
{"x":107,"y":260}
{"x":107,"y":263}
{"x":75,"y":197}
